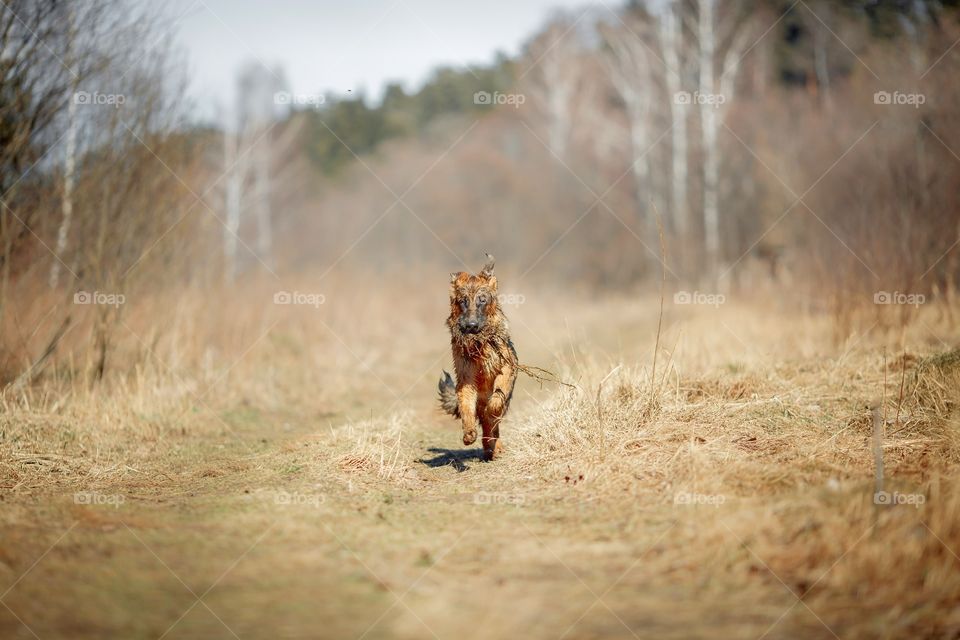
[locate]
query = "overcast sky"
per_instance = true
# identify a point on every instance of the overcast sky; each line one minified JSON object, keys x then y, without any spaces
{"x":347,"y":45}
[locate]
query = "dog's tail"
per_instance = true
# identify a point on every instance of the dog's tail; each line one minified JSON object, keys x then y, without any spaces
{"x":448,"y":395}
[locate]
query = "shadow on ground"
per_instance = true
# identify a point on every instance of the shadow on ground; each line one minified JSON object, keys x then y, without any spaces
{"x":454,"y":457}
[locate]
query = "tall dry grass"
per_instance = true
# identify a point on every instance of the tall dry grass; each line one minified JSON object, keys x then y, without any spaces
{"x":752,"y":450}
{"x":750,"y":444}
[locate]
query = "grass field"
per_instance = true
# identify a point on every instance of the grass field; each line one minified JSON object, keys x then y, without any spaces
{"x":284,"y":472}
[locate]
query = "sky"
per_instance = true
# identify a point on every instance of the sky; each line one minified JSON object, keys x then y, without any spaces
{"x":346,"y":46}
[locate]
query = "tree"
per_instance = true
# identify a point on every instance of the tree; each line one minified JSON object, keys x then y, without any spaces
{"x":713,"y":99}
{"x":671,"y":38}
{"x":84,"y":79}
{"x":631,"y":73}
{"x":555,"y":79}
{"x":247,"y":159}
{"x":70,"y":157}
{"x":35,"y":87}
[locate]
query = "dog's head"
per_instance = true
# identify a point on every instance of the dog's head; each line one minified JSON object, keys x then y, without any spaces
{"x":474,"y":309}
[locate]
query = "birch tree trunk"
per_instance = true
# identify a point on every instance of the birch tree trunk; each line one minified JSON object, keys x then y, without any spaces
{"x":821,"y":64}
{"x":262,"y":187}
{"x":559,"y":82}
{"x":709,"y":123}
{"x":672,"y":36}
{"x":630,"y":74}
{"x":66,"y":205}
{"x":232,"y":201}
{"x":69,"y":165}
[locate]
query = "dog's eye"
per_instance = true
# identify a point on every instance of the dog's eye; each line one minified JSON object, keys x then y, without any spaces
{"x":481,"y":300}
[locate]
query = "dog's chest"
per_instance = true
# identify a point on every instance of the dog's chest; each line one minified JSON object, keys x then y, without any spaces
{"x":479,"y":363}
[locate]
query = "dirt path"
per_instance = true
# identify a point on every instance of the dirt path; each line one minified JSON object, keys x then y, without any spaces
{"x":293,"y":527}
{"x":282,"y":542}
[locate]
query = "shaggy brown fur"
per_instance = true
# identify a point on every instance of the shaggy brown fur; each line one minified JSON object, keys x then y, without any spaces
{"x":484,"y":359}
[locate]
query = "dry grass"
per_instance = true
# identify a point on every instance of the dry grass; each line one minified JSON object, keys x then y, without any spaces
{"x":774,"y":466}
{"x":730,"y":492}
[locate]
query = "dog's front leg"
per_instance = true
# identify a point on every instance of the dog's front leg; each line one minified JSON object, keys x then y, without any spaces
{"x":467,"y":398}
{"x":502,"y":389}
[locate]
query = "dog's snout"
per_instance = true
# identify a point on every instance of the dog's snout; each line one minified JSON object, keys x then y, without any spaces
{"x":472,"y":325}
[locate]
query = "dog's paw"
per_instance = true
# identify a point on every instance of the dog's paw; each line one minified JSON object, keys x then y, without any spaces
{"x":495,"y":405}
{"x":469,"y":437}
{"x":491,"y":449}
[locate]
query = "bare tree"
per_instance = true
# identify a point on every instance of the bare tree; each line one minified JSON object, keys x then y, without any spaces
{"x":34,"y":86}
{"x":708,"y":117}
{"x":259,"y":87}
{"x":95,"y":78}
{"x":713,"y":99}
{"x":671,"y":37}
{"x":51,"y":51}
{"x":128,"y":194}
{"x":818,"y":15}
{"x":234,"y":168}
{"x":70,"y":156}
{"x":631,"y":73}
{"x":248,"y":158}
{"x":915,"y":23}
{"x":555,"y":79}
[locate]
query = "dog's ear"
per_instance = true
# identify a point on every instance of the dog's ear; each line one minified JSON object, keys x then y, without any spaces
{"x":454,"y":275}
{"x":487,"y":270}
{"x":492,"y":283}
